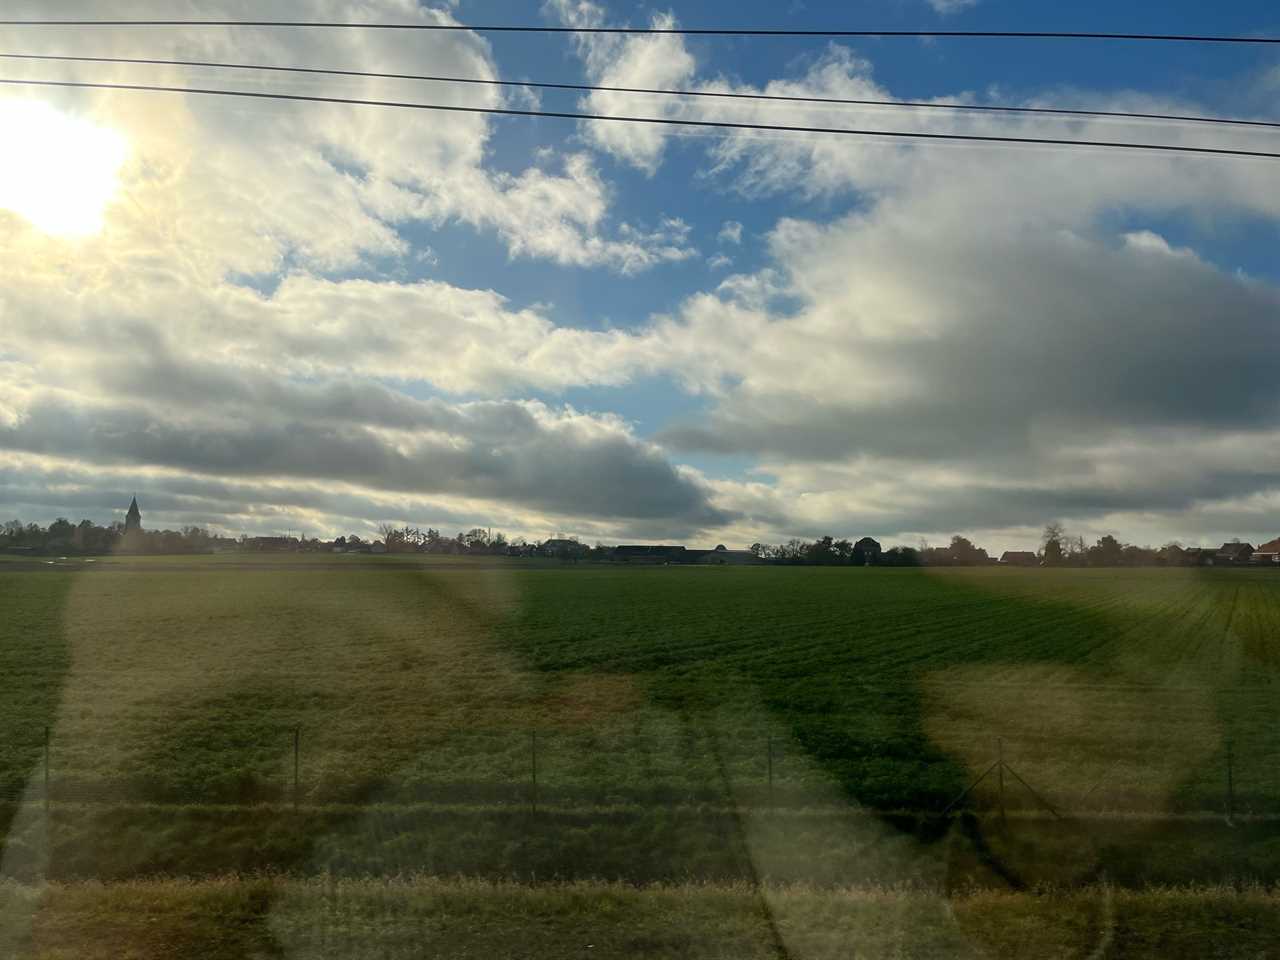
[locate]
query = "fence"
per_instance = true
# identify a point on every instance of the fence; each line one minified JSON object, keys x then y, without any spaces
{"x":513,"y":766}
{"x":541,"y":769}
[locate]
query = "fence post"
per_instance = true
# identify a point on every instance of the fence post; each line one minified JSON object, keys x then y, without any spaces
{"x":1231,"y":786}
{"x":1000,"y":771}
{"x":297,"y":736}
{"x":770,"y":764}
{"x":533,"y":744}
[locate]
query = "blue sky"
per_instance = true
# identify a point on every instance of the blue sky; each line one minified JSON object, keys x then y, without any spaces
{"x":914,"y":69}
{"x":327,"y":318}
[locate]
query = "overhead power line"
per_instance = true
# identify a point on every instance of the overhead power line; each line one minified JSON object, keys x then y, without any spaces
{"x":598,"y":88}
{"x":710,"y":124}
{"x":683,"y":31}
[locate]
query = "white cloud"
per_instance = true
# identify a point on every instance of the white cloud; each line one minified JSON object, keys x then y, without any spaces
{"x":140,"y":349}
{"x":655,"y":61}
{"x":560,"y":218}
{"x":457,"y":340}
{"x":252,"y":185}
{"x":759,"y":163}
{"x":978,"y":332}
{"x":976,"y":346}
{"x":41,"y":487}
{"x":730,"y":232}
{"x":924,"y":373}
{"x":946,"y":7}
{"x":255,"y":426}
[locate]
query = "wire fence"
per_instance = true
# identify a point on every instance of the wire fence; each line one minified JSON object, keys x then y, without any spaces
{"x":542,"y":769}
{"x":531,"y":767}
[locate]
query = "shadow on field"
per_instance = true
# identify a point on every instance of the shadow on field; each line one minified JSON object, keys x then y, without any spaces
{"x":34,"y":660}
{"x":770,"y":725}
{"x":702,"y":651}
{"x":1105,"y":690}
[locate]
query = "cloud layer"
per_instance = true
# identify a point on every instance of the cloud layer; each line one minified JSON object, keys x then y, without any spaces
{"x":967,"y":339}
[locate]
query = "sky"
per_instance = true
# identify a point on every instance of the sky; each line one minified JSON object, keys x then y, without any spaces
{"x":266,"y":317}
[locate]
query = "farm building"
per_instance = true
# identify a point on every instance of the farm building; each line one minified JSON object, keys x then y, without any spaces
{"x":722,"y":555}
{"x":565,"y":549}
{"x":866,"y":551}
{"x":1019,"y":558}
{"x":669,"y":553}
{"x":1234,"y":552}
{"x":644,"y":553}
{"x":1269,"y":552}
{"x":269,"y":544}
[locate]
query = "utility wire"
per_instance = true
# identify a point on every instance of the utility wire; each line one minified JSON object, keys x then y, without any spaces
{"x":712,"y":124}
{"x":683,"y":31}
{"x":597,"y":88}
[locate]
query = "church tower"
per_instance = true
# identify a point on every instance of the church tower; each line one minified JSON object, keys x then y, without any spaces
{"x":133,"y":519}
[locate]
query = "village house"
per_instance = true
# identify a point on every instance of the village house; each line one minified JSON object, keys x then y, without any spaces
{"x":563,"y":549}
{"x":670,"y":553}
{"x":269,"y":544}
{"x":1019,"y":558}
{"x":1233,"y":553}
{"x":1269,"y":552}
{"x":867,"y":551}
{"x":646,"y":553}
{"x":723,"y":555}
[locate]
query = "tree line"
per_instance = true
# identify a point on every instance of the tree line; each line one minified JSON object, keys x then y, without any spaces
{"x":829,"y":552}
{"x":1057,"y":547}
{"x":479,"y":541}
{"x":62,"y":537}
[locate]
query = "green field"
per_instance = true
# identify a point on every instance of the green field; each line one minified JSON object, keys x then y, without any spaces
{"x":763,"y":725}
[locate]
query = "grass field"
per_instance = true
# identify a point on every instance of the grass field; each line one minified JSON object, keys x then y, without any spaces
{"x":168,"y":680}
{"x":233,"y":918}
{"x":733,"y":725}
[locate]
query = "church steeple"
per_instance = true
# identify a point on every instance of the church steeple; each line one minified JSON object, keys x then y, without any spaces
{"x":133,"y":519}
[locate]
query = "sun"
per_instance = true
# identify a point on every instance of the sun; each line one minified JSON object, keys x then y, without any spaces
{"x":56,"y":170}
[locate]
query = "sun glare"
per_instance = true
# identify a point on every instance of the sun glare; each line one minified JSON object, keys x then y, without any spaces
{"x":57,"y":171}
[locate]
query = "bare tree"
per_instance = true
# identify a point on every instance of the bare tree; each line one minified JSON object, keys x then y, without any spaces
{"x":1054,"y":534}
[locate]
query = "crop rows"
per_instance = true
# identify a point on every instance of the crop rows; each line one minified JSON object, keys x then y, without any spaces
{"x":669,"y":687}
